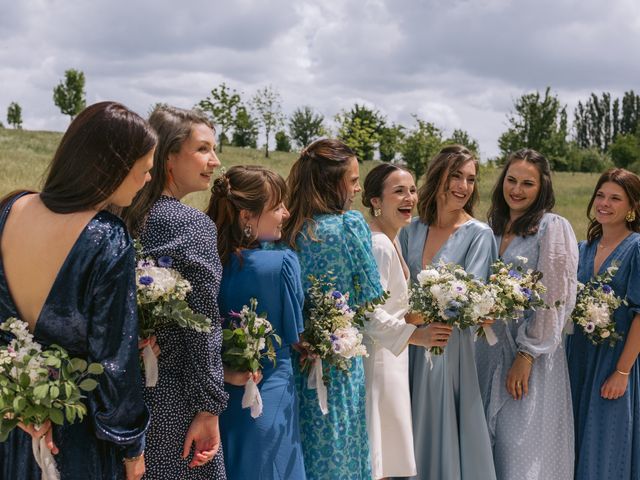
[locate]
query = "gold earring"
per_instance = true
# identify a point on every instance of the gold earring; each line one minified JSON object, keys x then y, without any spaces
{"x":377,"y":212}
{"x":247,"y":230}
{"x":631,"y":216}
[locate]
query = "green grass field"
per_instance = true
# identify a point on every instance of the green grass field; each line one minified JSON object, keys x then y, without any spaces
{"x":24,"y":156}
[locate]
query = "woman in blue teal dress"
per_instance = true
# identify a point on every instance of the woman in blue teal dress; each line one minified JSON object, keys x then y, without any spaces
{"x":450,"y":433}
{"x":70,"y":266}
{"x":605,"y":379}
{"x":247,"y":207}
{"x":328,"y":237}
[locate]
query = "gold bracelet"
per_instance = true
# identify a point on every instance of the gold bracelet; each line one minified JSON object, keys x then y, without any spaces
{"x":623,"y":373}
{"x":526,"y":356}
{"x":132,"y":459}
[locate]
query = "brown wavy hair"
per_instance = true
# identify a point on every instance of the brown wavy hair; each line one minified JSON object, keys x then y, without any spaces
{"x":439,"y":172}
{"x":630,"y":183}
{"x":528,"y":223}
{"x":316,"y":186}
{"x":253,"y":188}
{"x":374,"y":182}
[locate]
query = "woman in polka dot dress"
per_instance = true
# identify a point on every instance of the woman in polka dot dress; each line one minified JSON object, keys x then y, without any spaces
{"x":183,"y":441}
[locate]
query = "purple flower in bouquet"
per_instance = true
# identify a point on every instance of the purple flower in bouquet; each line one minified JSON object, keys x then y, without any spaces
{"x":607,"y":289}
{"x":527,"y":293}
{"x":453,"y":309}
{"x":515,"y":274}
{"x":146,"y":280}
{"x":165,"y":261}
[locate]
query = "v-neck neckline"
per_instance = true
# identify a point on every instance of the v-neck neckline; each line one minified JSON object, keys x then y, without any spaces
{"x":608,"y":258}
{"x":435,"y":255}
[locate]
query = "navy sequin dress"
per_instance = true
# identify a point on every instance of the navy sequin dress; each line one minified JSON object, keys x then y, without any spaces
{"x":91,"y":312}
{"x":191,"y":378}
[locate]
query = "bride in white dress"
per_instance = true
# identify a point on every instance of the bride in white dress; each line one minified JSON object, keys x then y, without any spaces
{"x":390,"y":194}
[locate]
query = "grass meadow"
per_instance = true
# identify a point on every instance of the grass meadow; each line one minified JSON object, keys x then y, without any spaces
{"x":24,"y":156}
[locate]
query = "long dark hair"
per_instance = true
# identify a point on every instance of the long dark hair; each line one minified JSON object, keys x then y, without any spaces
{"x":374,"y":182}
{"x":441,"y":168}
{"x":174,"y":127}
{"x":95,"y":155}
{"x":527,"y":223}
{"x":252,"y":188}
{"x":630,"y":183}
{"x":316,"y":185}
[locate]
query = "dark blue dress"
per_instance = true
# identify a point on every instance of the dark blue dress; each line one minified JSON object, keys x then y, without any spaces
{"x":607,"y":432}
{"x":267,"y":447}
{"x":91,"y":312}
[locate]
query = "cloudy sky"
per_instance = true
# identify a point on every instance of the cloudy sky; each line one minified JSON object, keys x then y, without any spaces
{"x":458,"y":63}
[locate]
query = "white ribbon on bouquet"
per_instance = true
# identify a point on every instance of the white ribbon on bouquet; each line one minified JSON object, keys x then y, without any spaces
{"x":150,"y":367}
{"x":252,"y":398}
{"x":491,"y":337}
{"x":314,"y":382}
{"x":44,"y":459}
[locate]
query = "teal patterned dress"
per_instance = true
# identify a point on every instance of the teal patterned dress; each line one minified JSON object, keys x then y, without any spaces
{"x":336,"y":446}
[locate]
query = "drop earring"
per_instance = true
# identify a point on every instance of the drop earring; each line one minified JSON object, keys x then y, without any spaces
{"x":377,"y":212}
{"x":631,"y":216}
{"x":247,"y":230}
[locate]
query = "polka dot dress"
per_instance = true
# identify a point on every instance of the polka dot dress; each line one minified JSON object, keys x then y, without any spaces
{"x":190,"y":368}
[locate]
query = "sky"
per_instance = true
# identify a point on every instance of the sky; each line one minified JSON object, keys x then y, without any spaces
{"x":457,"y":63}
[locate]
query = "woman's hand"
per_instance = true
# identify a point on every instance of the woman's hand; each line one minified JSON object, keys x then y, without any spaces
{"x":204,"y":435}
{"x":414,"y":319}
{"x":239,"y":379}
{"x":151,"y":342}
{"x":518,"y":378}
{"x":435,"y":334}
{"x":614,"y":386}
{"x":44,"y":431}
{"x":487,"y":322}
{"x":134,"y":469}
{"x":303,"y":348}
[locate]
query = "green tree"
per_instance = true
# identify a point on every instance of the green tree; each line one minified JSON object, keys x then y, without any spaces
{"x":587,"y":159}
{"x":305,"y":126}
{"x":625,"y":151}
{"x":283,"y":144}
{"x":267,"y":105}
{"x":419,"y":145}
{"x":14,"y":115}
{"x":221,"y":106}
{"x":462,"y":137}
{"x":390,"y":142}
{"x":69,"y":95}
{"x":245,"y":129}
{"x":360,"y":129}
{"x":538,"y":122}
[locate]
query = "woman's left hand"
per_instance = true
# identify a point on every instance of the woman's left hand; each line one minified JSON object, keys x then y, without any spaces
{"x":614,"y":386}
{"x":487,"y":322}
{"x":204,"y":432}
{"x":518,"y":378}
{"x":151,"y":342}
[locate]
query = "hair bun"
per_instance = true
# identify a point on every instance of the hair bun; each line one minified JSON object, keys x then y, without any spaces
{"x":221,"y":186}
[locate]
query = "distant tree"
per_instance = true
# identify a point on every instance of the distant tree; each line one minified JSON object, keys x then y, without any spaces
{"x":419,"y":145}
{"x":462,"y":137}
{"x":14,"y":115}
{"x":267,"y":105}
{"x":283,"y":144}
{"x":360,"y":128}
{"x":538,"y":122}
{"x":221,"y":106}
{"x":390,"y":142}
{"x":155,"y":106}
{"x":630,"y":114}
{"x":587,"y":159}
{"x":305,"y":126}
{"x":69,"y":95}
{"x":245,"y":129}
{"x":625,"y":150}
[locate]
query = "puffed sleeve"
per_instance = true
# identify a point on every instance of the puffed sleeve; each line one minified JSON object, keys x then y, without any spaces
{"x":481,"y":254}
{"x":116,"y":405}
{"x":386,"y":325}
{"x":292,"y":298}
{"x":558,"y":261}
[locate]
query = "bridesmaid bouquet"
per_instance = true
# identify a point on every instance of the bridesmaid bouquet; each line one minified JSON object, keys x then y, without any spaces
{"x":161,"y":302}
{"x":595,"y":304}
{"x":250,"y":339}
{"x":39,"y":384}
{"x":330,"y":335}
{"x":447,"y":293}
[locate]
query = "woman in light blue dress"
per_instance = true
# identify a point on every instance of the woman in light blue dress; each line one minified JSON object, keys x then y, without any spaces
{"x":605,"y":380}
{"x":449,"y":428}
{"x":328,"y":237}
{"x":523,"y":378}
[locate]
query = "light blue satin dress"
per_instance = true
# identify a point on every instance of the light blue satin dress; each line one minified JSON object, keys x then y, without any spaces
{"x":450,"y":432}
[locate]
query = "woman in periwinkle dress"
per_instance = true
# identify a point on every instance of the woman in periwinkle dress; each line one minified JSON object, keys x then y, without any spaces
{"x":450,"y":433}
{"x":605,"y":379}
{"x":70,"y":265}
{"x":390,"y":194}
{"x":328,"y":237}
{"x":247,"y":206}
{"x":523,"y":378}
{"x":184,"y":438}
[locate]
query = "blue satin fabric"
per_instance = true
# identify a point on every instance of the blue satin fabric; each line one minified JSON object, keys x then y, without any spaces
{"x":91,"y":312}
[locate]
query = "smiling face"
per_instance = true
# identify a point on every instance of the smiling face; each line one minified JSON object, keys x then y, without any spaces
{"x":193,"y":165}
{"x":611,"y":205}
{"x":521,"y":186}
{"x":267,"y":226}
{"x":462,"y":182}
{"x":351,"y":182}
{"x":397,"y":200}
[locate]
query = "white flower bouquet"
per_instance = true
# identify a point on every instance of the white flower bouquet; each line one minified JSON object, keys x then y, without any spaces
{"x":39,"y":385}
{"x":595,"y":303}
{"x":447,"y":293}
{"x":250,"y":339}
